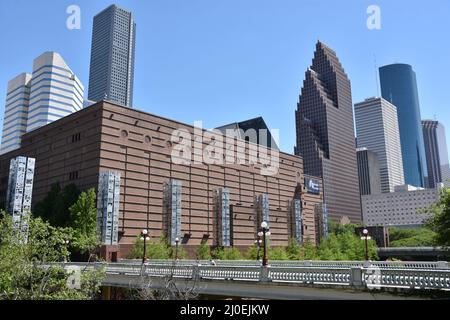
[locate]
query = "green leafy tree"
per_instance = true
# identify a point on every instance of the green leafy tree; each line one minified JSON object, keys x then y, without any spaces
{"x":54,"y":208}
{"x":440,"y":220}
{"x":84,"y":222}
{"x":25,"y":272}
{"x":419,"y":237}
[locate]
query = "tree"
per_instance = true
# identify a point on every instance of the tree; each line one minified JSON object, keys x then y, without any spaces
{"x":25,"y":269}
{"x":440,"y":220}
{"x":83,"y":214}
{"x":54,"y":208}
{"x":419,"y":237}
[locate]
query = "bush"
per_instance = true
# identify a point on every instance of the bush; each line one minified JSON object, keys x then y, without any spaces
{"x":158,"y":249}
{"x":278,"y":253}
{"x":293,"y":250}
{"x":226,"y":254}
{"x":203,"y":252}
{"x":252,"y":253}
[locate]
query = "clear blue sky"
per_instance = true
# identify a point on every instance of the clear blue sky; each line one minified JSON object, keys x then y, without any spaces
{"x":225,"y":60}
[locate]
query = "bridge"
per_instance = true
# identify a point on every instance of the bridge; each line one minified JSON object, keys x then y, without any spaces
{"x":282,"y":279}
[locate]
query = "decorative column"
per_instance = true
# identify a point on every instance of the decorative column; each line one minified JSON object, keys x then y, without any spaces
{"x":19,"y":193}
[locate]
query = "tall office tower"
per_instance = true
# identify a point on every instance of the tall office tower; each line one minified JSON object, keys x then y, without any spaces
{"x":16,"y":112}
{"x":325,"y":134}
{"x":51,"y":92}
{"x":377,"y":130}
{"x":112,"y":56}
{"x":368,"y":172}
{"x":436,"y":153}
{"x":399,"y":87}
{"x":55,"y":91}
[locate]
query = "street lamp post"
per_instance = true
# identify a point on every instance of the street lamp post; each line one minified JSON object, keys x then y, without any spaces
{"x":265,"y":233}
{"x":366,"y":237}
{"x":144,"y":238}
{"x":66,"y":244}
{"x":258,"y":243}
{"x":177,"y":240}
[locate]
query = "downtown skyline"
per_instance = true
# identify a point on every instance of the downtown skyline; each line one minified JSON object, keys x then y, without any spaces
{"x":237,"y":80}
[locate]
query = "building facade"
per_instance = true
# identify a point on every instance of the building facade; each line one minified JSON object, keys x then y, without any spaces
{"x":436,"y":153}
{"x":51,"y":92}
{"x":368,"y":172}
{"x":139,"y":146}
{"x":111,"y":72}
{"x":55,"y":91}
{"x":399,"y":87}
{"x":16,"y":112}
{"x":401,"y":208}
{"x":377,"y":130}
{"x":325,"y":134}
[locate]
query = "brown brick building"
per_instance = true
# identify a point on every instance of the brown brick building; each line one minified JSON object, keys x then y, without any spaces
{"x":104,"y":136}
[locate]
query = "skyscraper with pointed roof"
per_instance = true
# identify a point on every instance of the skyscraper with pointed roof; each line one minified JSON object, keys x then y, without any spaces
{"x":325,"y":134}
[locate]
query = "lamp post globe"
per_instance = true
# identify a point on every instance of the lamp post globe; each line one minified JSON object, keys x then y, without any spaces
{"x":177,"y":240}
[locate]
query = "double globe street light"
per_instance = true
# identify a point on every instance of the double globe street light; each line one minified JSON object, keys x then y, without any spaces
{"x":264,"y":233}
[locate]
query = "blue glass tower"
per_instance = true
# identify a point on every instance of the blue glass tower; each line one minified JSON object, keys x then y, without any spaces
{"x":399,"y":87}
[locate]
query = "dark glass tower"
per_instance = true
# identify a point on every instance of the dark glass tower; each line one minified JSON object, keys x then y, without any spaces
{"x":111,"y":72}
{"x":325,"y":134}
{"x":436,"y":153}
{"x":399,"y":87}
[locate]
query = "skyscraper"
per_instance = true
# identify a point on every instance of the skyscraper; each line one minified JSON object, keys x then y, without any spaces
{"x":16,"y":112}
{"x":399,"y":87}
{"x":112,"y":56}
{"x":368,"y":172}
{"x":325,"y":134}
{"x":51,"y":92}
{"x":436,"y":153}
{"x":55,"y":91}
{"x":377,"y":130}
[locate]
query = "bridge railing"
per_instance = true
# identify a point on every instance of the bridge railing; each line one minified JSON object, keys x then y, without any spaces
{"x":306,"y":263}
{"x":369,"y":276}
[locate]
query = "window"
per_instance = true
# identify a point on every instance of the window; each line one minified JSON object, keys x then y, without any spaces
{"x":76,"y":137}
{"x":73,"y":175}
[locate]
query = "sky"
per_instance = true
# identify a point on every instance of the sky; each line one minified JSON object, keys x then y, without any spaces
{"x":221,"y":61}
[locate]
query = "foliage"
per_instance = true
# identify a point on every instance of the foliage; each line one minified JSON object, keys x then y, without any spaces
{"x":440,"y":220}
{"x":278,"y":253}
{"x":25,"y":272}
{"x":54,"y":208}
{"x":203,"y":252}
{"x":293,"y":250}
{"x":231,"y":253}
{"x":420,"y":237}
{"x":252,"y":252}
{"x":83,"y":215}
{"x":159,"y":249}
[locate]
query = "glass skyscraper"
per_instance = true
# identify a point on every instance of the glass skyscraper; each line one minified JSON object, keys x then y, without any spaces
{"x":111,"y":72}
{"x":399,"y":87}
